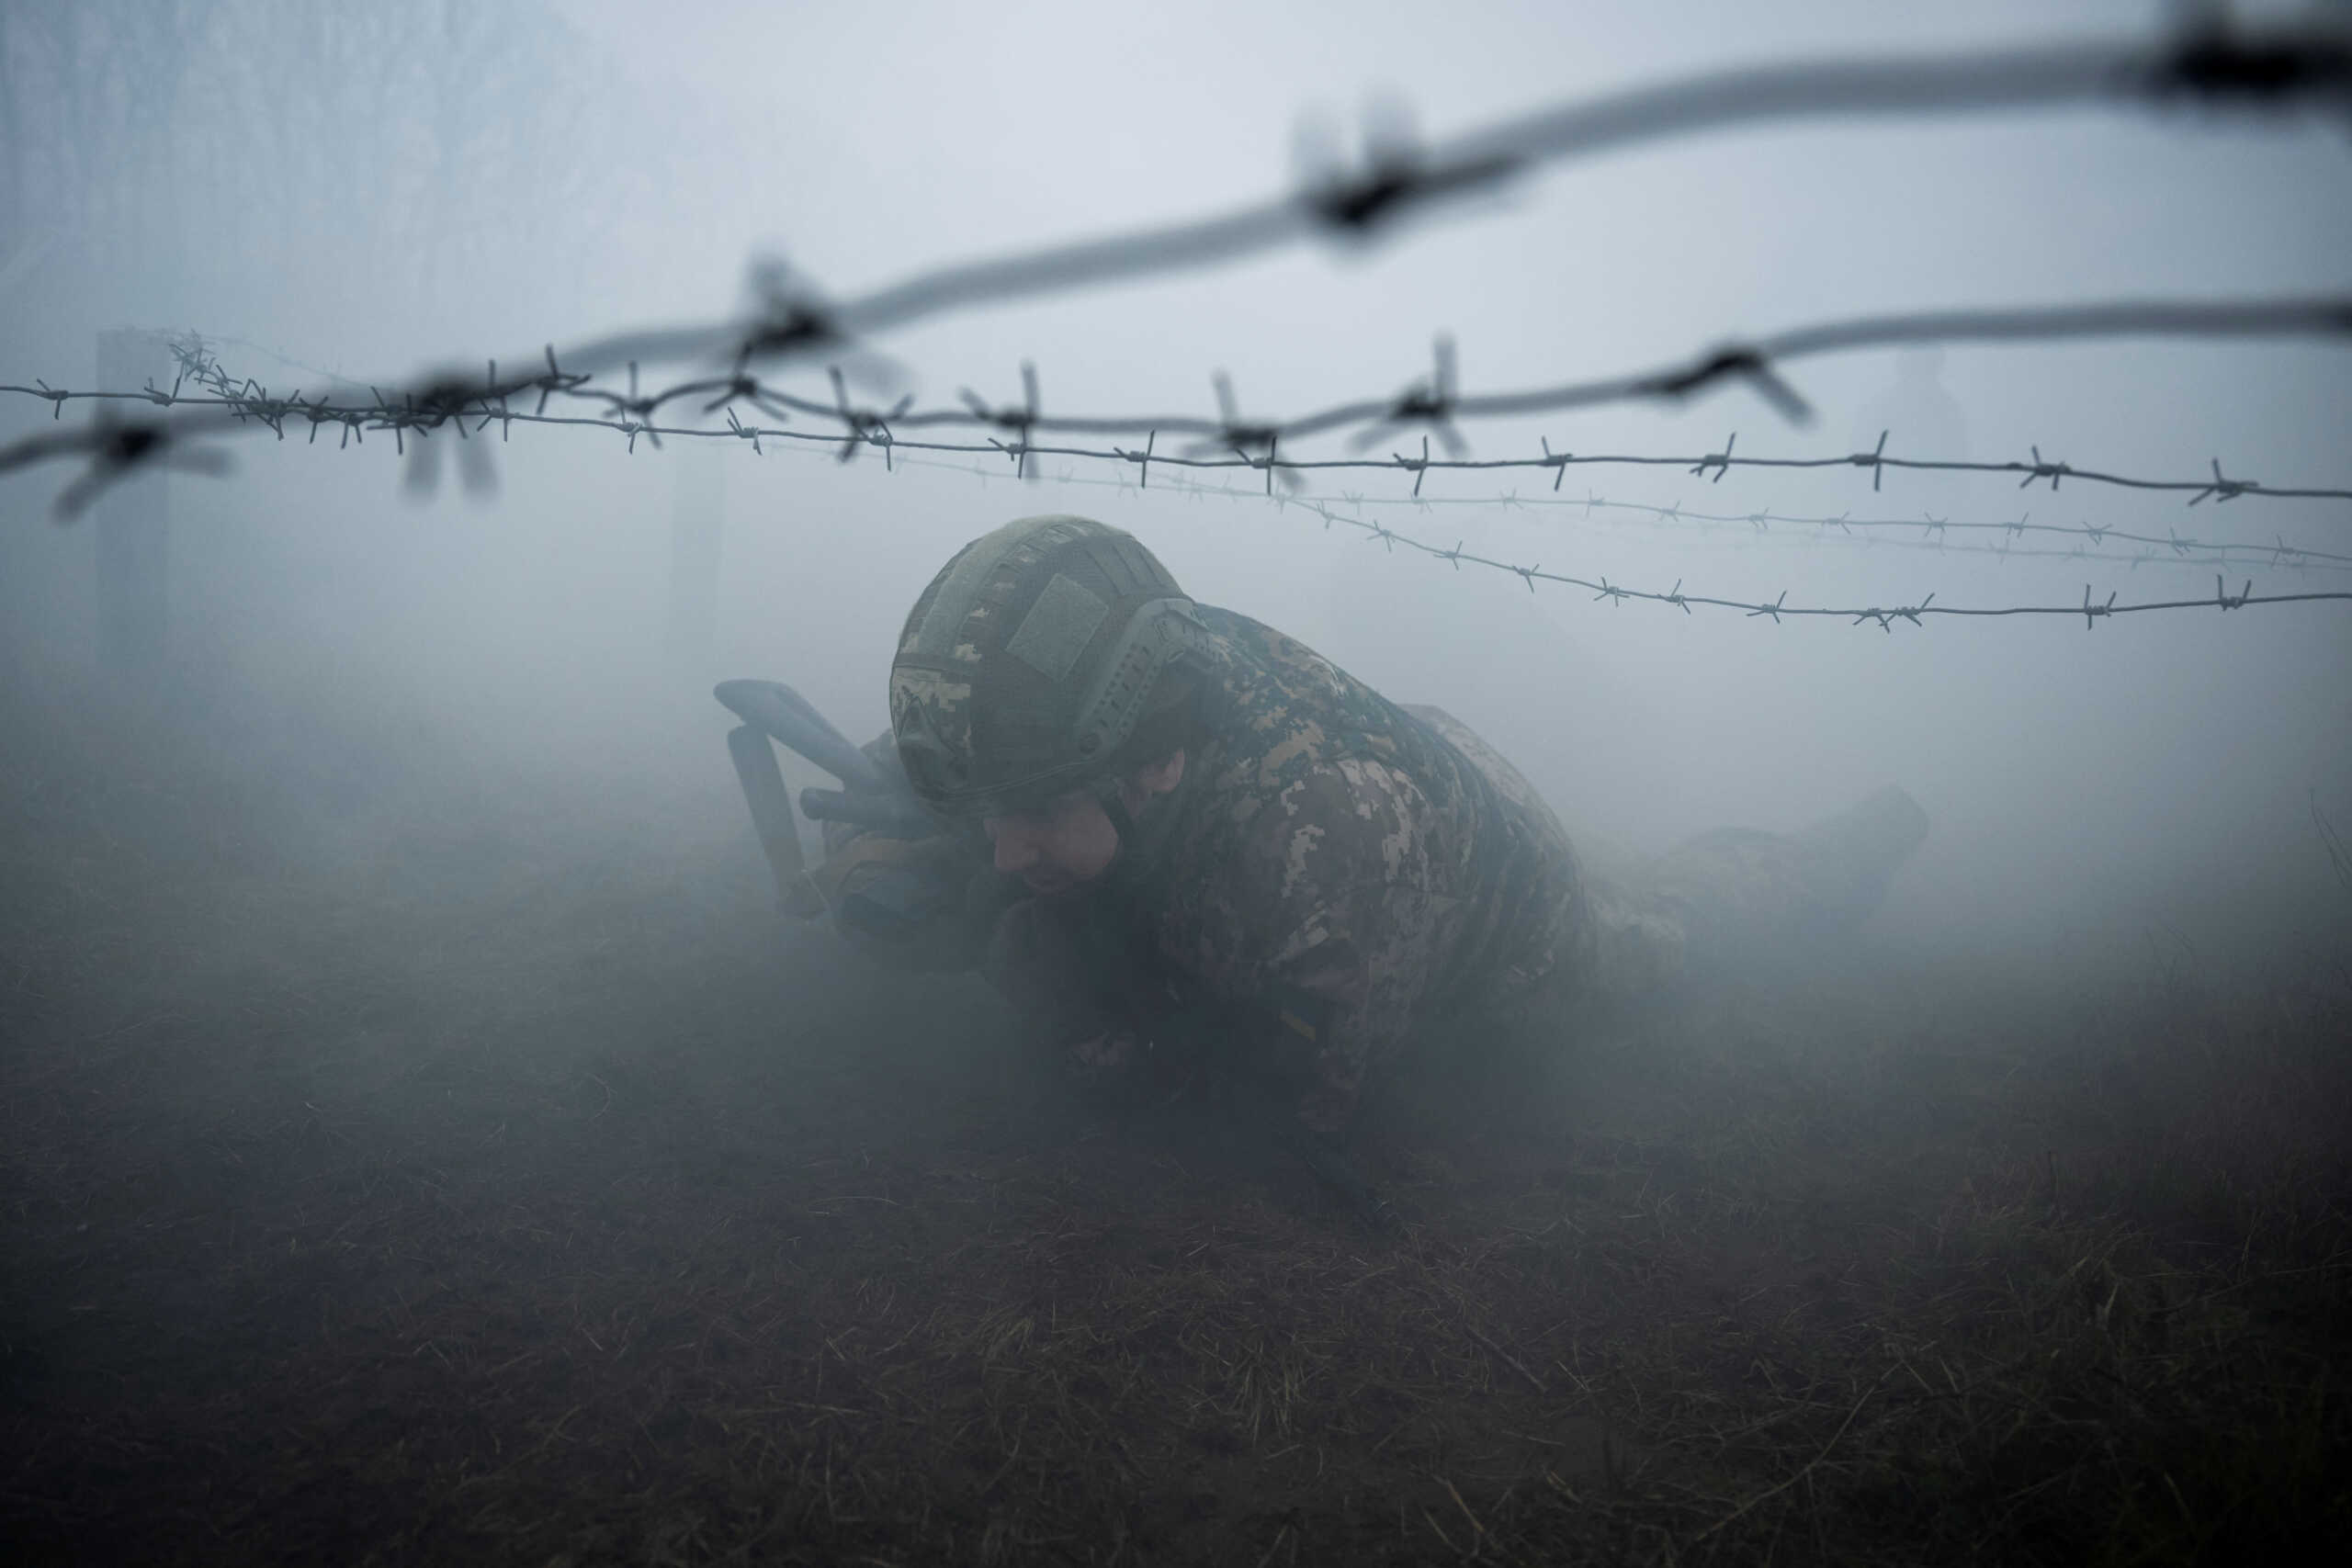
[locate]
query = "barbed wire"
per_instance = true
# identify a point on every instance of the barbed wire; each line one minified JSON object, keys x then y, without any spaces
{"x":2172,"y":549}
{"x":198,"y":363}
{"x":225,"y":402}
{"x":2209,"y":60}
{"x":1930,"y":531}
{"x":1865,"y":533}
{"x":1435,"y":401}
{"x":2092,"y":609}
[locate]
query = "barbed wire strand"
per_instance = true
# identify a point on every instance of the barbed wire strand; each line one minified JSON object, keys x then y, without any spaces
{"x":2210,"y":63}
{"x":2173,"y":545}
{"x":2092,"y":609}
{"x":2208,"y":60}
{"x":1884,"y":617}
{"x":1433,"y":402}
{"x":224,"y":402}
{"x":2180,"y":552}
{"x":2174,"y":549}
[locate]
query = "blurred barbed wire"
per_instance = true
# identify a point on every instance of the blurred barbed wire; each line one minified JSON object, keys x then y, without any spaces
{"x":2207,"y":60}
{"x":1883,"y":616}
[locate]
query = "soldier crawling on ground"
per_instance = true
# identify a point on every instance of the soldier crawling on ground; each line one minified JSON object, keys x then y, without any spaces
{"x":1169,"y":828}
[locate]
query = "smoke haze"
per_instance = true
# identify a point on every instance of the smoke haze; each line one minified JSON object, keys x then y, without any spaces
{"x":427,"y":798}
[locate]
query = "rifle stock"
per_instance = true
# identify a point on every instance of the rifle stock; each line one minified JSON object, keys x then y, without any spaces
{"x":762,"y":783}
{"x":871,"y":798}
{"x":783,"y":715}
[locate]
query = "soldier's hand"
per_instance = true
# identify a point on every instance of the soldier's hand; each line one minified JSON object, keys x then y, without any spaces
{"x":903,"y":901}
{"x":1107,"y":1055}
{"x":887,"y":901}
{"x":1128,"y":1070}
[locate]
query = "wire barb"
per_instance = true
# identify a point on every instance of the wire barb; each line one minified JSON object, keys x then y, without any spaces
{"x":1874,"y":460}
{"x":1719,"y":461}
{"x":2221,"y":489}
{"x":2038,"y":469}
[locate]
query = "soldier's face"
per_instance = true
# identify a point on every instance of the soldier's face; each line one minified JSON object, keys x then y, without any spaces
{"x":1069,"y":842}
{"x":1057,"y":847}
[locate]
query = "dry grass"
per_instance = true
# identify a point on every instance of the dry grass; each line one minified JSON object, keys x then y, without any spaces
{"x":511,"y":1193}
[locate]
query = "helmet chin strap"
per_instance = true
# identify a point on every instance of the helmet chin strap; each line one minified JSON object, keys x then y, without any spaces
{"x":1123,"y":822}
{"x":1141,"y":835}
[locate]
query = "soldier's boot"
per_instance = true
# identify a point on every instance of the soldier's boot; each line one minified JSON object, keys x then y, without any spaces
{"x":1638,"y":948}
{"x":1737,"y":893}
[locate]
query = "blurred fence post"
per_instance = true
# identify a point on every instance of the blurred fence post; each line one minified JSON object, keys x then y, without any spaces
{"x":133,"y":517}
{"x":695,"y":529}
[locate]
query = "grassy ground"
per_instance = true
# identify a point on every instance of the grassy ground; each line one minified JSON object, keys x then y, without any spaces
{"x":512,"y":1191}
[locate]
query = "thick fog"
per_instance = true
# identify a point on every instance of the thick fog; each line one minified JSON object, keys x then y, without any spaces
{"x":421,"y":690}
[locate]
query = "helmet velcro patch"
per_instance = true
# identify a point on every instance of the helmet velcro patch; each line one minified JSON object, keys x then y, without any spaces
{"x":1057,"y":627}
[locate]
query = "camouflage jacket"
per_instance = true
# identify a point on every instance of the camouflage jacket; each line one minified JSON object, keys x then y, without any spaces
{"x":1333,"y":872}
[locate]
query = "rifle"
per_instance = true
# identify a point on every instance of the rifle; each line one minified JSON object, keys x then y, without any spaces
{"x":870,"y":799}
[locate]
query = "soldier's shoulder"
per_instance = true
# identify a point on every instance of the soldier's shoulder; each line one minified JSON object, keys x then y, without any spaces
{"x":1329,"y":823}
{"x":1271,"y":664}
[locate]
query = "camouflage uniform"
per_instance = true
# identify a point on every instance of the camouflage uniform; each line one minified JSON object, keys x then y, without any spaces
{"x":1332,"y":872}
{"x":1737,"y":889}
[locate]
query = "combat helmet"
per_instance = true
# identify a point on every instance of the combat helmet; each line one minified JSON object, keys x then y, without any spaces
{"x":1027,"y":664}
